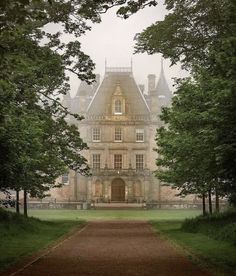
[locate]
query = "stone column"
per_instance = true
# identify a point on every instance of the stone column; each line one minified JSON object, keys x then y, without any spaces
{"x":107,"y":196}
{"x":129,"y":196}
{"x":89,"y":190}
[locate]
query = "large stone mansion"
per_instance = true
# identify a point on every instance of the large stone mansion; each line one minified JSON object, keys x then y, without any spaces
{"x":119,"y":127}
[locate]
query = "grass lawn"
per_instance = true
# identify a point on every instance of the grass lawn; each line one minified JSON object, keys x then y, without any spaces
{"x":216,"y":254}
{"x":21,"y":237}
{"x":62,"y":214}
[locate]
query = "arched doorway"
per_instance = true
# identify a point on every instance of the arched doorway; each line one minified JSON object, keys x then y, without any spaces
{"x":118,"y":190}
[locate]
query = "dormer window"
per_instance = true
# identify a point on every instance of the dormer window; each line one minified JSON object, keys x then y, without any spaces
{"x":118,"y":101}
{"x":118,"y":107}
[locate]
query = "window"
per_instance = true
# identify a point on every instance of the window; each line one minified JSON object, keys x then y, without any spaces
{"x":139,"y":135}
{"x":139,"y":161}
{"x":96,"y":161}
{"x":96,"y":134}
{"x":118,"y":134}
{"x":118,"y":107}
{"x":117,"y":161}
{"x":65,"y":178}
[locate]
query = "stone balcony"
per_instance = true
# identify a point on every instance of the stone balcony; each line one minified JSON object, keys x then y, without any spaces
{"x":120,"y":172}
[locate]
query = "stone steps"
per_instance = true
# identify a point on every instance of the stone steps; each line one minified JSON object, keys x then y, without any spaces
{"x":118,"y":205}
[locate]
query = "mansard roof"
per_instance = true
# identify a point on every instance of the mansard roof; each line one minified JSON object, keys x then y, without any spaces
{"x":118,"y":80}
{"x":85,"y":89}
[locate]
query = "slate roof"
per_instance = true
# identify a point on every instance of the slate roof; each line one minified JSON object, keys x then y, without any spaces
{"x":133,"y":97}
{"x":162,"y":89}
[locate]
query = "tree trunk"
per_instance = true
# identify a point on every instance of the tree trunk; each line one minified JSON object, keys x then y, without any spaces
{"x":217,"y":202}
{"x":25,"y":204}
{"x":210,"y":202}
{"x":204,"y":205}
{"x":17,"y":203}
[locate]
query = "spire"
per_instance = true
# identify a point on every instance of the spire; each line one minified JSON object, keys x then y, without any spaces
{"x":162,"y":85}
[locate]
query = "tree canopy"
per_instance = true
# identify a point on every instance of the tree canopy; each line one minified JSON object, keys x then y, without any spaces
{"x":198,"y":144}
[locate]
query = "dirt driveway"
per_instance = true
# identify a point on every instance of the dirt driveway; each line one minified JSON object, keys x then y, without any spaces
{"x":114,"y":248}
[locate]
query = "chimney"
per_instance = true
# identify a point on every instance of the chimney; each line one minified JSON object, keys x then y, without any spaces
{"x":151,"y":82}
{"x":141,"y":87}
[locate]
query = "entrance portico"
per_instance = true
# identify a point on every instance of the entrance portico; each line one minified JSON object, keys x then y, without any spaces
{"x":118,"y":190}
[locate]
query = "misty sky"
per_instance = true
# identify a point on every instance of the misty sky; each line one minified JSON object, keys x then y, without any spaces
{"x":112,"y":40}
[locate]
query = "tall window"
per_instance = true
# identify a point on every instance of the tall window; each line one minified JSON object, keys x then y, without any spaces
{"x":139,"y":135}
{"x":118,"y":107}
{"x":65,"y":178}
{"x":118,"y":134}
{"x":139,"y":161}
{"x":117,"y":161}
{"x":96,"y":134}
{"x":96,"y":161}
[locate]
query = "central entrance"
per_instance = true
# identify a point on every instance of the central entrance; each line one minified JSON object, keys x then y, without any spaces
{"x":118,"y":190}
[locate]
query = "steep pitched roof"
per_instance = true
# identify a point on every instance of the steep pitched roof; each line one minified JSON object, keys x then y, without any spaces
{"x":133,"y":97}
{"x":162,"y":89}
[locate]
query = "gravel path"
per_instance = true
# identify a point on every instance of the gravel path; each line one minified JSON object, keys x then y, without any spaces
{"x":111,"y":249}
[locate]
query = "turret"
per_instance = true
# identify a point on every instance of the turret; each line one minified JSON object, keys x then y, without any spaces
{"x":159,"y":96}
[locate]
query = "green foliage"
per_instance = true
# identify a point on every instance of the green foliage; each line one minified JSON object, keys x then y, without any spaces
{"x":218,"y":226}
{"x":197,"y":150}
{"x":217,"y":255}
{"x":22,"y":236}
{"x":36,"y":143}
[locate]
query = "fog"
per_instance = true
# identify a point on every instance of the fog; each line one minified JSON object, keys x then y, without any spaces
{"x":113,"y":40}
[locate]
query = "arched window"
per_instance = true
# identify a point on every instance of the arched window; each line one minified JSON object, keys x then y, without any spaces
{"x":118,"y":107}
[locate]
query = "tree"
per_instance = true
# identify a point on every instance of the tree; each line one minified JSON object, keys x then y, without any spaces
{"x":201,"y":35}
{"x":187,"y":143}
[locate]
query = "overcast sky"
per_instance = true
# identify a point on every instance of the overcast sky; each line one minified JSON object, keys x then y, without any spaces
{"x":112,"y":40}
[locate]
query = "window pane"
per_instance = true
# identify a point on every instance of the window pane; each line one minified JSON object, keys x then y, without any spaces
{"x":96,"y":161}
{"x":139,"y":161}
{"x":96,"y":134}
{"x":139,"y":135}
{"x":118,"y":107}
{"x":118,"y":161}
{"x":118,"y":134}
{"x":65,"y":178}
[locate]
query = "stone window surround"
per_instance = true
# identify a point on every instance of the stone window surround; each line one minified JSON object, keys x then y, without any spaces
{"x":117,"y":161}
{"x":65,"y":178}
{"x":96,"y":134}
{"x":139,"y":161}
{"x":139,"y":135}
{"x":96,"y":159}
{"x":118,"y":134}
{"x":117,"y":107}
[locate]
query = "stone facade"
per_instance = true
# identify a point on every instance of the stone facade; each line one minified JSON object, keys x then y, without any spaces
{"x":119,"y":127}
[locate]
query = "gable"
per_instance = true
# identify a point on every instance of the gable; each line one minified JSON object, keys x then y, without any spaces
{"x":120,"y":85}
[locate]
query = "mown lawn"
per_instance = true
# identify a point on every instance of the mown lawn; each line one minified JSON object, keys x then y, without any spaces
{"x":219,"y":256}
{"x":62,"y":214}
{"x":20,"y":237}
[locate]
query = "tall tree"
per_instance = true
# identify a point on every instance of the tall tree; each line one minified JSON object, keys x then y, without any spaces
{"x":201,"y":35}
